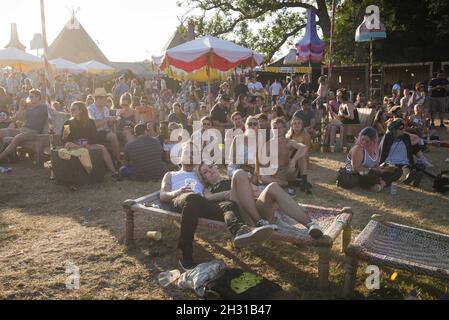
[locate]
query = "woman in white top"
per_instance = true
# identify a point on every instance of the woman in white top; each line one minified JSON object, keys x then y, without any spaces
{"x":364,"y":159}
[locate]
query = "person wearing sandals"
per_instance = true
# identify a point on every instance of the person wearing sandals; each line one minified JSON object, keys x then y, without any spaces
{"x":364,"y":158}
{"x":257,"y":206}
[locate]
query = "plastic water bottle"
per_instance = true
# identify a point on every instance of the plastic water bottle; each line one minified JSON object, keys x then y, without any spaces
{"x":393,"y":188}
{"x":166,"y":278}
{"x":5,"y":170}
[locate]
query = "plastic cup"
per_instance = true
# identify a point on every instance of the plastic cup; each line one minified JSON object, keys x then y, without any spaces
{"x":166,"y":278}
{"x":154,"y":235}
{"x":190,"y":183}
{"x":333,"y":149}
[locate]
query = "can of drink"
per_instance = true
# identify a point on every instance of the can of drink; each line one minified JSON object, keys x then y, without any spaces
{"x":154,"y":235}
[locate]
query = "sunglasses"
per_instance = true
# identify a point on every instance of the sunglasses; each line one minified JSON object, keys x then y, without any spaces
{"x":207,"y":124}
{"x":253,"y":124}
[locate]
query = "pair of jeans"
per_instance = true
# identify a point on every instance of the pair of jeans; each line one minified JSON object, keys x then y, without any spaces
{"x":193,"y":206}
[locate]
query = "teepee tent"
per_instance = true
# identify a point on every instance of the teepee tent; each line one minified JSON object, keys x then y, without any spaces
{"x":75,"y":44}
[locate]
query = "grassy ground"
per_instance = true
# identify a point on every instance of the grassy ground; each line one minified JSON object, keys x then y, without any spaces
{"x":44,"y":226}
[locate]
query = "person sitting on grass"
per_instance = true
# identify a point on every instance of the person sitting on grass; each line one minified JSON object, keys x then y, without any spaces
{"x":364,"y":159}
{"x":298,"y":133}
{"x":143,"y":157}
{"x":292,"y":160}
{"x":183,"y":192}
{"x":256,"y":205}
{"x":418,"y":123}
{"x":396,"y":149}
{"x":81,"y":132}
{"x":307,"y":115}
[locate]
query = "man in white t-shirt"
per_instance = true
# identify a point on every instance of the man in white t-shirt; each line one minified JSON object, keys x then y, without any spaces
{"x":275,"y":91}
{"x":255,"y":88}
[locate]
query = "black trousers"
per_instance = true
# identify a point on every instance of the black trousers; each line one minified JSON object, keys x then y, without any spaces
{"x":193,"y":206}
{"x":387,"y":174}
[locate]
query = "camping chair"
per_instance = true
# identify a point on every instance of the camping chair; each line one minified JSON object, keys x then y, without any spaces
{"x":334,"y":222}
{"x":37,"y":146}
{"x":397,"y":246}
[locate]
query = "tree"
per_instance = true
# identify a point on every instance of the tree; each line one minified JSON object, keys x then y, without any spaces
{"x":416,"y":31}
{"x":265,"y":25}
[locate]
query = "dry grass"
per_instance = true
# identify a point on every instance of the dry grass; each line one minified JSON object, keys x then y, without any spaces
{"x":43,"y":226}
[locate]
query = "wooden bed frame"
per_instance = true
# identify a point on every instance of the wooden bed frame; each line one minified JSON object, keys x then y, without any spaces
{"x":334,"y":222}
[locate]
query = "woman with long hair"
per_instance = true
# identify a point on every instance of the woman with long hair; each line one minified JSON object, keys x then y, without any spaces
{"x":81,"y":132}
{"x":364,"y":159}
{"x":242,"y":106}
{"x":257,"y":206}
{"x":126,"y":118}
{"x":298,"y":133}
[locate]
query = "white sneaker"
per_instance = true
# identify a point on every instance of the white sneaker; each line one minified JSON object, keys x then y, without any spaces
{"x":247,"y":236}
{"x":423,"y":160}
{"x":447,"y":160}
{"x":262,"y":223}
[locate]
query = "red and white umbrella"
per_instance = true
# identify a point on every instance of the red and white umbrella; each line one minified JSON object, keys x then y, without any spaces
{"x":204,"y":59}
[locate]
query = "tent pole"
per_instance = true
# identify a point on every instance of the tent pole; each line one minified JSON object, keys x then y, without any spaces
{"x":371,"y":59}
{"x":329,"y":70}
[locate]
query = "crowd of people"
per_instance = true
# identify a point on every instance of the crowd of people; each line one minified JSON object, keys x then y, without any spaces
{"x":133,"y":123}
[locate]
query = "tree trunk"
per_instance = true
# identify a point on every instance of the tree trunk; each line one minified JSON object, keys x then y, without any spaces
{"x":324,"y":18}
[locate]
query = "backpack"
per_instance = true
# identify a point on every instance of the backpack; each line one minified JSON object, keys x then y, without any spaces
{"x":441,"y":182}
{"x":237,"y":284}
{"x":347,"y":179}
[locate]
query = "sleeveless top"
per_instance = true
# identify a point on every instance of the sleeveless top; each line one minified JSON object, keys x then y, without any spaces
{"x":368,"y":162}
{"x":181,"y":179}
{"x":353,"y":121}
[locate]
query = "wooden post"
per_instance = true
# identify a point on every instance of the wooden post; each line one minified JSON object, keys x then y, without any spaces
{"x":350,"y":275}
{"x":346,"y":238}
{"x":323,"y":267}
{"x":129,"y":225}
